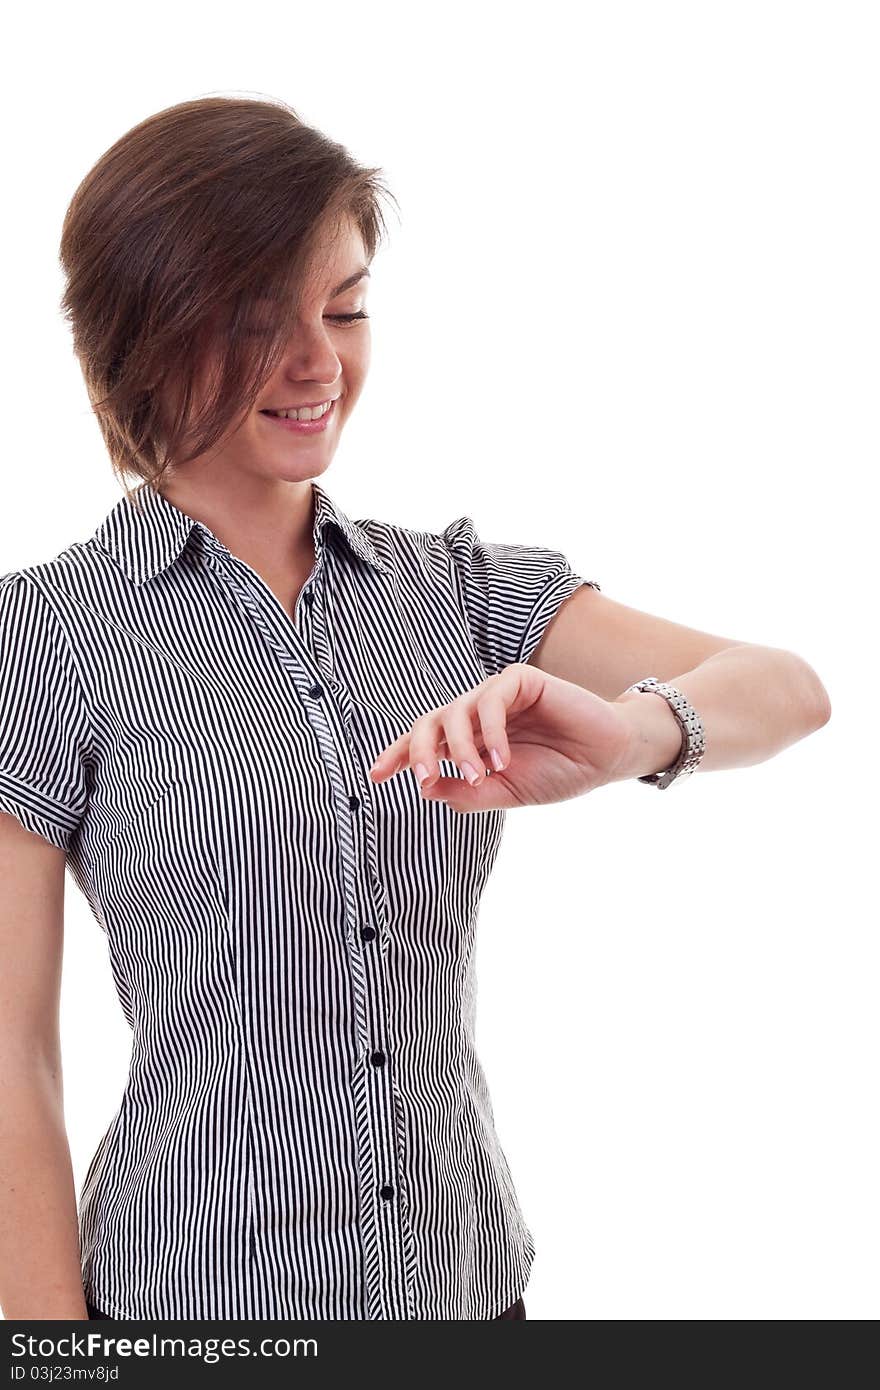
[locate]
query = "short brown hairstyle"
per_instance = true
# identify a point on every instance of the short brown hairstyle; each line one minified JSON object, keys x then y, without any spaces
{"x":170,"y":240}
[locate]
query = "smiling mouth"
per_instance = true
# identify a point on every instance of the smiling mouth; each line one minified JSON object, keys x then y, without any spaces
{"x":316,"y":423}
{"x":303,"y":412}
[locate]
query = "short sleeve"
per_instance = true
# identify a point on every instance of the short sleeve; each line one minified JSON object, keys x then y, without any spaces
{"x":509,"y":592}
{"x":44,"y":728}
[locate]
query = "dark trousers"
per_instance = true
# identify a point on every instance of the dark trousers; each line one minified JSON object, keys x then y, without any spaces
{"x":516,"y":1310}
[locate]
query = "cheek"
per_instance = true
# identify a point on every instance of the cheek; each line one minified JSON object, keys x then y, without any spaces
{"x":355,"y":364}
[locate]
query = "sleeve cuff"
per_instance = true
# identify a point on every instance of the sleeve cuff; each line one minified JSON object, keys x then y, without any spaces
{"x":550,"y":600}
{"x":37,"y":813}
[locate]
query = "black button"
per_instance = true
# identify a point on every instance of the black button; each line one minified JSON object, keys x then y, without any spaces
{"x":378,"y":1059}
{"x":387,"y":1192}
{"x":367,"y":933}
{"x":353,"y":802}
{"x":308,"y":596}
{"x":316,"y":691}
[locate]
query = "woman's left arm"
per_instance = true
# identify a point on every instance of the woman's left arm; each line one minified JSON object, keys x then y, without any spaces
{"x":753,"y":700}
{"x":564,"y":722}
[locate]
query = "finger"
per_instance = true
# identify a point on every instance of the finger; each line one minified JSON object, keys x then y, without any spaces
{"x":408,"y":749}
{"x":395,"y":757}
{"x":427,"y":738}
{"x":491,"y":709}
{"x":451,"y":733}
{"x":475,"y":727}
{"x":460,"y":796}
{"x":490,"y":733}
{"x":432,"y":743}
{"x":391,"y":759}
{"x":458,"y":724}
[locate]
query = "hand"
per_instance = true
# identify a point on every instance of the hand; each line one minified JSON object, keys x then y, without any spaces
{"x":555,"y":740}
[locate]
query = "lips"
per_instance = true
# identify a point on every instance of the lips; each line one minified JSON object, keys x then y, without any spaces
{"x":285,"y":415}
{"x":303,"y":405}
{"x":314,"y":426}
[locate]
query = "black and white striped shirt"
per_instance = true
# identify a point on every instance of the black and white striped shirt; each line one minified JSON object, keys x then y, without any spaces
{"x":306,"y":1130}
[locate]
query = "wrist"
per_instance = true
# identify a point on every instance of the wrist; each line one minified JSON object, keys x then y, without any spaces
{"x":655,"y":734}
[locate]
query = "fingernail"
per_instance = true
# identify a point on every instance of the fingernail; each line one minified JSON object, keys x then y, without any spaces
{"x":421,"y":772}
{"x":471,"y":774}
{"x":496,"y":760}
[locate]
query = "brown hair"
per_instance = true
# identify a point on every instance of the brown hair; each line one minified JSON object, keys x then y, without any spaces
{"x":169,"y":241}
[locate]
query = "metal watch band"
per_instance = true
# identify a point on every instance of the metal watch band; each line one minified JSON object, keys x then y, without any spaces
{"x":693,"y":744}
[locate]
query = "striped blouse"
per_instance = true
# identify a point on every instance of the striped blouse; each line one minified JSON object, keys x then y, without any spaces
{"x":305,"y":1131}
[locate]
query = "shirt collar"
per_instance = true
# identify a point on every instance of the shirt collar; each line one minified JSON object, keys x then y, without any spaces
{"x":146,"y":541}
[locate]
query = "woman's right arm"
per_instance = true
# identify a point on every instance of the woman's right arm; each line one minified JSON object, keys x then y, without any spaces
{"x":40,"y":1272}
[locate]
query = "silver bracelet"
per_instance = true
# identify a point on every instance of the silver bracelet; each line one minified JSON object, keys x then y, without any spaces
{"x":693,"y":744}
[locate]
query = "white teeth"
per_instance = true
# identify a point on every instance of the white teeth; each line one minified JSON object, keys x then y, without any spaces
{"x":308,"y":412}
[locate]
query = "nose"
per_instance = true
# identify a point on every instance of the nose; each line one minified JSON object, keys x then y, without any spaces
{"x":310,"y":356}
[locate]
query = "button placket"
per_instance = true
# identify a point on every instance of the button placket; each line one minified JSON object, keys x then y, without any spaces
{"x":374,"y":894}
{"x":379,"y":1136}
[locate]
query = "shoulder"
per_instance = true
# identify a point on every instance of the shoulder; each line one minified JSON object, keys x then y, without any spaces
{"x":396,"y":532}
{"x":16,"y":588}
{"x":40,"y":606}
{"x":460,"y":551}
{"x":27,"y":617}
{"x":53,"y":578}
{"x":400,"y":545}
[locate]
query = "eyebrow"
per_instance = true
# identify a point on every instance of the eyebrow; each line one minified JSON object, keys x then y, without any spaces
{"x":352,"y":280}
{"x":346,"y":284}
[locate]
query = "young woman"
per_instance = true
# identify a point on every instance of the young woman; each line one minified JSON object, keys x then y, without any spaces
{"x":275,"y":747}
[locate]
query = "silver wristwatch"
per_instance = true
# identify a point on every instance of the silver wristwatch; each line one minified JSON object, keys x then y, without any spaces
{"x":692,"y":742}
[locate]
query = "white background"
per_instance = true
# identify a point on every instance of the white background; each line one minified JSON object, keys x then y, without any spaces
{"x":629,"y":310}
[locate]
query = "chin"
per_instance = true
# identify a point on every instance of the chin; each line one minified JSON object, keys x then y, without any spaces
{"x":296,"y":470}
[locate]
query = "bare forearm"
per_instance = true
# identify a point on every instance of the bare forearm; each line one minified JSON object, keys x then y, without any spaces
{"x":40,"y":1273}
{"x":753,"y":702}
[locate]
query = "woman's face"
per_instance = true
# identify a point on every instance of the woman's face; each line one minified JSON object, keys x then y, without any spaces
{"x":326,"y":359}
